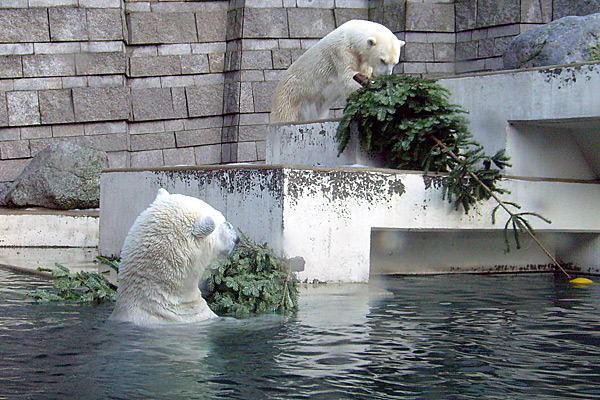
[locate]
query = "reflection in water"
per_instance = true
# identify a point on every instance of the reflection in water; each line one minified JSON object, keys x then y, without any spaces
{"x":441,"y":337}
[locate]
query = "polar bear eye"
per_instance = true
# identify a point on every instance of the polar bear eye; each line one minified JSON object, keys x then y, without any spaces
{"x":382,"y":61}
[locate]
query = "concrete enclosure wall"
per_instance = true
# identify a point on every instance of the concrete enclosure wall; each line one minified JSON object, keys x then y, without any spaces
{"x":159,"y":83}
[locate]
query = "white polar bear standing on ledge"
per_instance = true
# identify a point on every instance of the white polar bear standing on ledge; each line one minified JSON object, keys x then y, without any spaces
{"x":324,"y":73}
{"x":164,"y":255}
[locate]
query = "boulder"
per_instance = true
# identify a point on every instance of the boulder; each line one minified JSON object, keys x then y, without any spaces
{"x":564,"y":41}
{"x":62,"y":176}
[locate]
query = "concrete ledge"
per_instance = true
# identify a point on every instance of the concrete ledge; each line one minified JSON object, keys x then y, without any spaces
{"x":328,"y":215}
{"x":48,"y":228}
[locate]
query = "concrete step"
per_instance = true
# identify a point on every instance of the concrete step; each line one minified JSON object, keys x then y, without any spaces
{"x":36,"y":237}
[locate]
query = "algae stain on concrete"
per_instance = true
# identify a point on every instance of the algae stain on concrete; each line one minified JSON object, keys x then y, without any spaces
{"x":246,"y":181}
{"x":342,"y":185}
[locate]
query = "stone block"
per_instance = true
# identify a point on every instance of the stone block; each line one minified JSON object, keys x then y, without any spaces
{"x":201,"y":123}
{"x":414,"y":68}
{"x":494,"y":64}
{"x":152,"y":28}
{"x":145,"y":159}
{"x":195,"y":64}
{"x":265,"y":23}
{"x":282,"y":58}
{"x":38,"y":84}
{"x":470,"y":66}
{"x":257,"y":59}
{"x":137,"y":128}
{"x":247,"y":152}
{"x":68,"y":130}
{"x":212,"y":26}
{"x":56,"y":106}
{"x":3,"y":112}
{"x":466,"y":50}
{"x":346,"y":14}
{"x":11,"y":67}
{"x":174,"y":49}
{"x":103,"y":128}
{"x":155,"y":66}
{"x":184,"y":156}
{"x":104,"y":24}
{"x":444,"y":52}
{"x":263,"y":93}
{"x":246,"y":98}
{"x":253,"y":133}
{"x":15,"y":149}
{"x":429,"y":17}
{"x":204,"y":101}
{"x":235,"y":22}
{"x":152,"y":104}
{"x":10,"y":49}
{"x":418,"y":51}
{"x":231,"y":95}
{"x":48,"y":65}
{"x":35,"y":132}
{"x":10,"y":134}
{"x":440,"y":69}
{"x":102,"y":81}
{"x":67,"y":24}
{"x":497,"y":12}
{"x":198,"y":137}
{"x":179,"y":102}
{"x":261,"y":149}
{"x":100,"y":63}
{"x":216,"y":62}
{"x":152,"y":141}
{"x":394,"y":16}
{"x":207,"y":155}
{"x":118,"y":159}
{"x":113,"y":142}
{"x":101,"y":104}
{"x":466,"y":13}
{"x":24,"y":25}
{"x":315,"y":3}
{"x":310,"y":22}
{"x":23,"y":108}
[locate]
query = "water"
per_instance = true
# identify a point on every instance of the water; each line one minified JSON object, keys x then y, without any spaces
{"x":441,"y":337}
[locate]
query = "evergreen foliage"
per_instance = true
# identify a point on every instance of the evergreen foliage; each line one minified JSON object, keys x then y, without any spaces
{"x":79,"y":287}
{"x":398,"y":118}
{"x":253,"y":279}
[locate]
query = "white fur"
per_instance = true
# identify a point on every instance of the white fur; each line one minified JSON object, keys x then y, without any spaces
{"x":164,"y":255}
{"x":324,"y":73}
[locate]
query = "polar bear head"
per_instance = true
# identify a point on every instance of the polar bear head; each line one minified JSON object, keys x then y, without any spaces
{"x":165,"y":253}
{"x":379,"y":47}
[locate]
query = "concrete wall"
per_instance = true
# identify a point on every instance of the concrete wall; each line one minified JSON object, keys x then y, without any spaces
{"x":328,"y":217}
{"x":160,"y":83}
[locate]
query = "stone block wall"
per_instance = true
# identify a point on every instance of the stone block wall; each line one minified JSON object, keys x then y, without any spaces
{"x":167,"y":82}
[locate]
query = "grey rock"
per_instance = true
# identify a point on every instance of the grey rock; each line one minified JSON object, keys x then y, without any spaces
{"x":62,"y":176}
{"x":566,"y":40}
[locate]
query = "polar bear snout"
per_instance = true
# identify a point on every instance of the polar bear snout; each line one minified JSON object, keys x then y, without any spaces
{"x":227,"y":239}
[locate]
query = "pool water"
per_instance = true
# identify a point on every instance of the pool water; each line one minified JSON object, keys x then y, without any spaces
{"x":437,"y":337}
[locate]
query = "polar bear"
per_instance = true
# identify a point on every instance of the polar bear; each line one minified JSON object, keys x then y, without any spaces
{"x":324,"y":73}
{"x":167,"y":249}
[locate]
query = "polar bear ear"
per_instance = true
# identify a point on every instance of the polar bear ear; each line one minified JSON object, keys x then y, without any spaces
{"x":203,"y":227}
{"x":161,"y":192}
{"x":372,"y":41}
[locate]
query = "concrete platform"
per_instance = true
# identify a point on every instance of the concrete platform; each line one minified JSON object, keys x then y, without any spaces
{"x":37,"y":237}
{"x":332,"y":216}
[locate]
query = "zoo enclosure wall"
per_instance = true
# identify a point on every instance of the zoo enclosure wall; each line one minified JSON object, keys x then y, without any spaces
{"x":159,"y":83}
